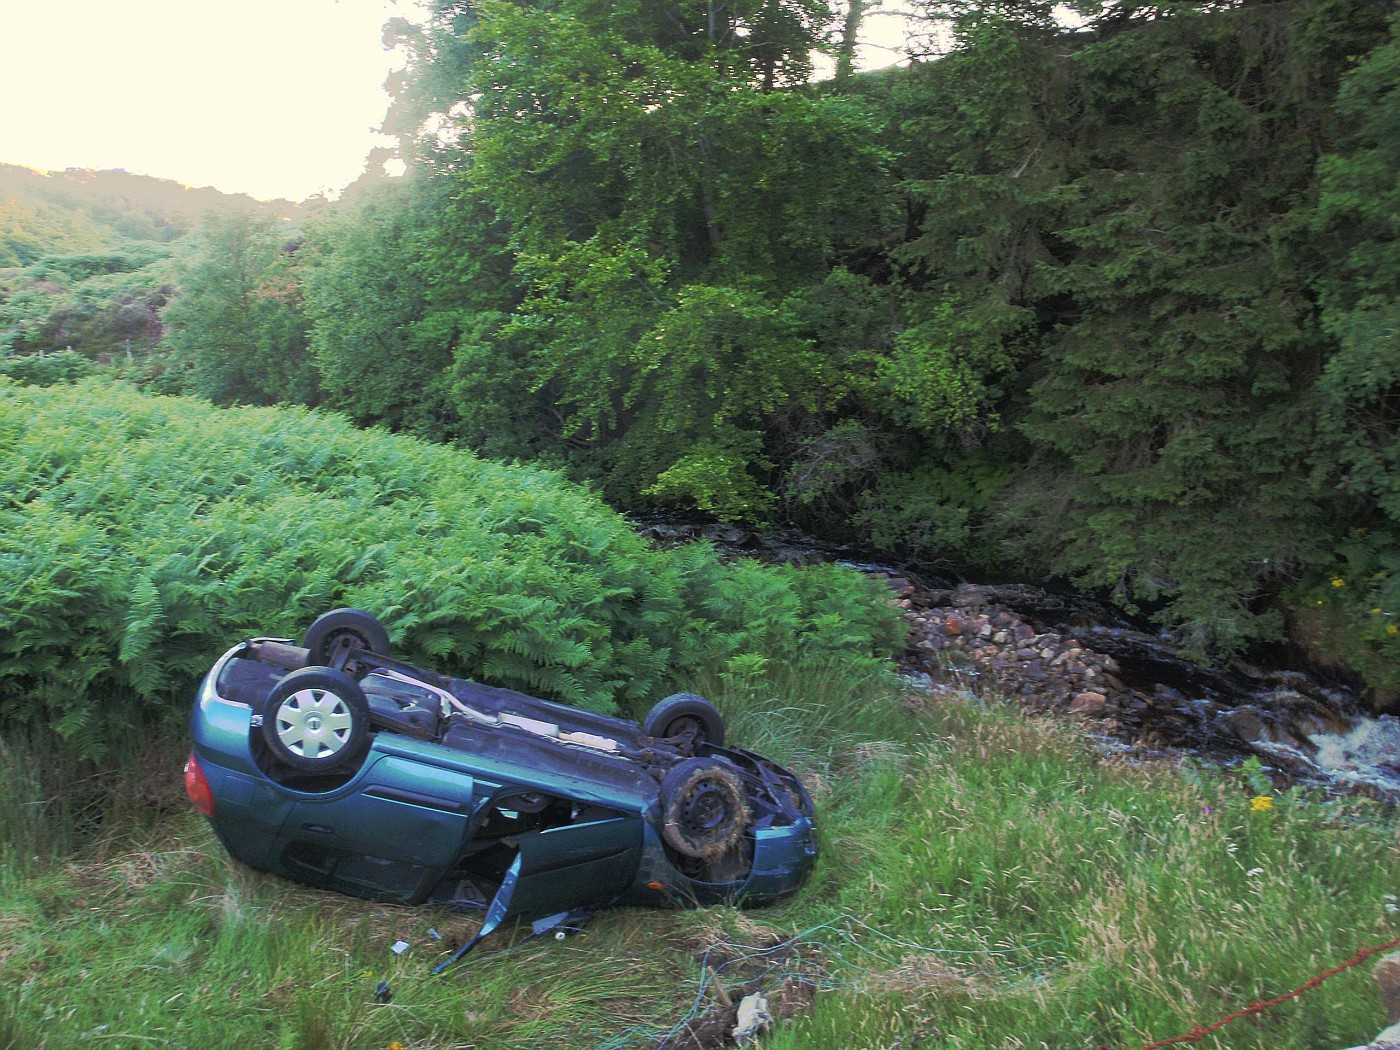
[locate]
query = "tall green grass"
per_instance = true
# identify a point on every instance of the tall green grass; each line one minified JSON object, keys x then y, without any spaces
{"x":985,"y":881}
{"x":37,"y":811}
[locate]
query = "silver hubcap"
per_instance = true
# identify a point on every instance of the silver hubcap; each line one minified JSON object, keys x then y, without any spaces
{"x":314,"y":723}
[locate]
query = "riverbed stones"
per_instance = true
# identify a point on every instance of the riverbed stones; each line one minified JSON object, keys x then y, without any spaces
{"x":965,"y":632}
{"x":988,"y":639}
{"x":1088,"y":703}
{"x":1387,"y":974}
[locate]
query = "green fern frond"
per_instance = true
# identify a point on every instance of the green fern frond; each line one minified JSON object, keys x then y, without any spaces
{"x":145,"y":621}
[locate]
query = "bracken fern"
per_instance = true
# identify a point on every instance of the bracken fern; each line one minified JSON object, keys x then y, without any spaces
{"x":140,"y":536}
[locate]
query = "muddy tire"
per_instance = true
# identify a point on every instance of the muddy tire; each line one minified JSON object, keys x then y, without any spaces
{"x":703,"y":811}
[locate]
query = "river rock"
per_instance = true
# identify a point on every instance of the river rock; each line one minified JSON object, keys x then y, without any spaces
{"x":1387,"y":974}
{"x":1088,"y":704}
{"x":966,"y":628}
{"x":1247,"y":723}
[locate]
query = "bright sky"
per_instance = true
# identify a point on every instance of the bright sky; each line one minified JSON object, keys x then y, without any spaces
{"x":274,"y":98}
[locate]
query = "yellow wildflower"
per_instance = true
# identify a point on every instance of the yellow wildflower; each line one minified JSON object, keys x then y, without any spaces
{"x":1391,"y":628}
{"x":396,"y":1045}
{"x":1376,"y":611}
{"x":1337,"y":581}
{"x":1259,"y":803}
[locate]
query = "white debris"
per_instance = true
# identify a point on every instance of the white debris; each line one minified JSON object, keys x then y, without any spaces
{"x":753,"y":1017}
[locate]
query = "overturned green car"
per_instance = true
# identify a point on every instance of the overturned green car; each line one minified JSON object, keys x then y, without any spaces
{"x":336,"y":765}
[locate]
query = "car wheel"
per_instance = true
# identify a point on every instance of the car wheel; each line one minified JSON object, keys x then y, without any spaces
{"x":341,"y":630}
{"x":686,"y":715}
{"x":316,"y":720}
{"x":703,"y":812}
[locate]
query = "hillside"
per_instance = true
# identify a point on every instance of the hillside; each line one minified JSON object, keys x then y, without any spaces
{"x":81,"y":210}
{"x":88,"y":265}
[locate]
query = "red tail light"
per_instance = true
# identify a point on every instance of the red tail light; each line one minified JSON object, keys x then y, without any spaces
{"x":197,"y":787}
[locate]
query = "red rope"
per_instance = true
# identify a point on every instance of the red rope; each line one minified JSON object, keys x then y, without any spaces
{"x":1200,"y":1031}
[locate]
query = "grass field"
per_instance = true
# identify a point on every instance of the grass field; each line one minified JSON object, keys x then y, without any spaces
{"x":985,"y":881}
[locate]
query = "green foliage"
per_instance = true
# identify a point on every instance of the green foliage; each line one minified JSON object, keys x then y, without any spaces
{"x":1357,"y":210}
{"x":930,"y":512}
{"x":366,"y":289}
{"x":235,"y":325}
{"x":1350,"y":617}
{"x":1182,"y":403}
{"x":1083,"y":304}
{"x":141,"y":536}
{"x":939,"y":376}
{"x":104,"y":307}
{"x":131,"y":257}
{"x":715,"y":478}
{"x":668,"y":202}
{"x":46,"y":369}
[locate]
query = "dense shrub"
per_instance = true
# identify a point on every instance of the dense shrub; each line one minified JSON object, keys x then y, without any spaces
{"x":46,"y":369}
{"x":139,"y":536}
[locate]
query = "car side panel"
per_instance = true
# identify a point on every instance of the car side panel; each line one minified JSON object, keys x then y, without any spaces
{"x":396,"y":832}
{"x":251,"y":811}
{"x":585,"y":863}
{"x":782,"y":858}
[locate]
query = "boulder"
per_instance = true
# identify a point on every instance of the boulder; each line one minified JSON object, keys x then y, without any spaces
{"x":1089,"y":704}
{"x":1387,"y":974}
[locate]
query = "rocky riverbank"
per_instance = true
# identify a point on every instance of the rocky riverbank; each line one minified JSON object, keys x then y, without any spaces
{"x":965,"y":633}
{"x":1133,"y":692}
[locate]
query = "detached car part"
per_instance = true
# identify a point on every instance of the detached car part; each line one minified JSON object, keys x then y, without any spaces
{"x":334,"y":764}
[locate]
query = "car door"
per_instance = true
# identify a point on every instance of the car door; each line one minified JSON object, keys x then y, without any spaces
{"x":391,"y":837}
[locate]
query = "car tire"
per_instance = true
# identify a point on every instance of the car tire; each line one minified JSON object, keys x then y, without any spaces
{"x":703,"y":811}
{"x":686,"y":715}
{"x":342,"y":629}
{"x":316,"y":720}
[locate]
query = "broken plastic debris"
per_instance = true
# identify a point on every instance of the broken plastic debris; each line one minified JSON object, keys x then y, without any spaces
{"x":434,"y":934}
{"x":399,"y":947}
{"x":753,"y":1017}
{"x":548,"y":923}
{"x":496,"y":913}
